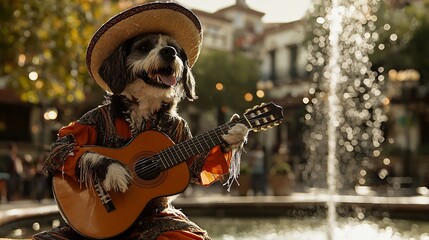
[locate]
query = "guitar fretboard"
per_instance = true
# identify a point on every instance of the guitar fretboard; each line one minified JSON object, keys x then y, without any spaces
{"x":202,"y":143}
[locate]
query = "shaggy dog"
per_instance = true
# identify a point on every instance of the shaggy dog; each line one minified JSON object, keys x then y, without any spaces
{"x":151,"y":71}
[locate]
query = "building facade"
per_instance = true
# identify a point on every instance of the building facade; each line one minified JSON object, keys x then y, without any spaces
{"x":282,"y":57}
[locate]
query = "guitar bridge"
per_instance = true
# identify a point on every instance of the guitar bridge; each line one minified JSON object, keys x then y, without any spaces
{"x":104,"y":198}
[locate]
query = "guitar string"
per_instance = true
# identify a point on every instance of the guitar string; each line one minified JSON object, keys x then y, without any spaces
{"x":152,"y":166}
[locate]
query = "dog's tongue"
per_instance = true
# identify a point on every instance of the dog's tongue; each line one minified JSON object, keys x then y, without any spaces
{"x":168,"y":79}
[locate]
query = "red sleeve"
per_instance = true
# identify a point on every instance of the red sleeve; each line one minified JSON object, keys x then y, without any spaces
{"x":208,"y":167}
{"x":216,"y":164}
{"x":83,"y":135}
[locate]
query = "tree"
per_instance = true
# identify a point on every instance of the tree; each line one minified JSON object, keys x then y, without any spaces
{"x":223,"y":79}
{"x":43,"y":47}
{"x":403,"y":33}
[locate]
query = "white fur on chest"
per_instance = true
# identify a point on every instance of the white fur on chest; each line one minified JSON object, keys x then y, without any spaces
{"x":148,"y":101}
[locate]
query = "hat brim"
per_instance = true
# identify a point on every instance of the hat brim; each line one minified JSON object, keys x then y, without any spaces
{"x":167,"y":18}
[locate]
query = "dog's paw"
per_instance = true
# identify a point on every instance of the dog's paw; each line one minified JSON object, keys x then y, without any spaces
{"x":117,"y":178}
{"x":111,"y":173}
{"x":237,"y":136}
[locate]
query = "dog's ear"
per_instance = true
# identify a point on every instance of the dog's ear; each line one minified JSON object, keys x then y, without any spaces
{"x":113,"y":70}
{"x":189,"y":83}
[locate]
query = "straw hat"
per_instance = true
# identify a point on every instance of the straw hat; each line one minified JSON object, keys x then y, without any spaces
{"x":159,"y":17}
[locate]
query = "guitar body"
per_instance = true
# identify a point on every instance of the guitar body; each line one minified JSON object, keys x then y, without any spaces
{"x":83,"y":209}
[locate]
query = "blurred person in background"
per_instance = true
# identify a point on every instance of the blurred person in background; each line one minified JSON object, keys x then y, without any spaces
{"x":257,"y":165}
{"x":15,"y":170}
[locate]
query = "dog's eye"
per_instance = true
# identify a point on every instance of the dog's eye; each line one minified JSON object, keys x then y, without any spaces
{"x":145,"y":48}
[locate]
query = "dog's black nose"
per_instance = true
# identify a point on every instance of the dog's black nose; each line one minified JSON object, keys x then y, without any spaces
{"x":168,"y":53}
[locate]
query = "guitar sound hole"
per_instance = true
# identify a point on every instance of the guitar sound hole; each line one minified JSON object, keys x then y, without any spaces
{"x":147,"y":169}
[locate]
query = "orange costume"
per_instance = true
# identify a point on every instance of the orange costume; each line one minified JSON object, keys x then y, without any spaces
{"x":106,"y":126}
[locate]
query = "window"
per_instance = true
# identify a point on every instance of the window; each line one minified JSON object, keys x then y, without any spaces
{"x":293,"y":55}
{"x":272,"y":56}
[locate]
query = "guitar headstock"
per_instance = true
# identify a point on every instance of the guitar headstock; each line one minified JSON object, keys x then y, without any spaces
{"x":264,"y":116}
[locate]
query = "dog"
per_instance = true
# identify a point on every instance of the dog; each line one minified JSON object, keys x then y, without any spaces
{"x":149,"y":70}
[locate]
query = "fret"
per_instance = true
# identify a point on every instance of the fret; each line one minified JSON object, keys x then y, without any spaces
{"x":190,"y":147}
{"x":186,"y":149}
{"x":196,"y":148}
{"x":170,"y":162}
{"x":223,"y":133}
{"x":180,"y":150}
{"x":227,"y":127}
{"x":190,"y":151}
{"x":162,"y":161}
{"x":218,"y":138}
{"x":205,"y":140}
{"x":211,"y":139}
{"x":202,"y":148}
{"x":176,"y":158}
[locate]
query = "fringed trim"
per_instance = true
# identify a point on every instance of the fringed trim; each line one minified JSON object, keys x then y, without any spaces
{"x":86,"y":164}
{"x":132,"y":124}
{"x":62,"y":148}
{"x":236,"y":138}
{"x":234,"y":167}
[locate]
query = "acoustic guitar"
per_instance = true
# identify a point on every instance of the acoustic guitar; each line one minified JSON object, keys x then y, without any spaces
{"x":158,"y":168}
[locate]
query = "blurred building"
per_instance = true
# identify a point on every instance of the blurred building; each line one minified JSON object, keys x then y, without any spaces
{"x":286,"y":81}
{"x":407,"y":95}
{"x":19,"y":122}
{"x":218,"y":31}
{"x":279,"y":49}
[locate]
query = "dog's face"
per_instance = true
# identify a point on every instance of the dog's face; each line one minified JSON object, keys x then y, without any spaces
{"x":155,"y":59}
{"x":149,"y":65}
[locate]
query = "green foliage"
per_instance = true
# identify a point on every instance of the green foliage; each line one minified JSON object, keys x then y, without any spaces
{"x":237,"y":73}
{"x":392,"y":150}
{"x":281,"y":168}
{"x":410,"y":23}
{"x":49,"y":38}
{"x":244,"y":169}
{"x":423,"y":149}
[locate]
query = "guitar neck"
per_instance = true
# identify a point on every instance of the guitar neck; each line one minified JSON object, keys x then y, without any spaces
{"x":202,"y":143}
{"x":258,"y":118}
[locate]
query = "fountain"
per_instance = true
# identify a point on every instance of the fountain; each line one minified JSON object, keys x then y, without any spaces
{"x":344,"y":115}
